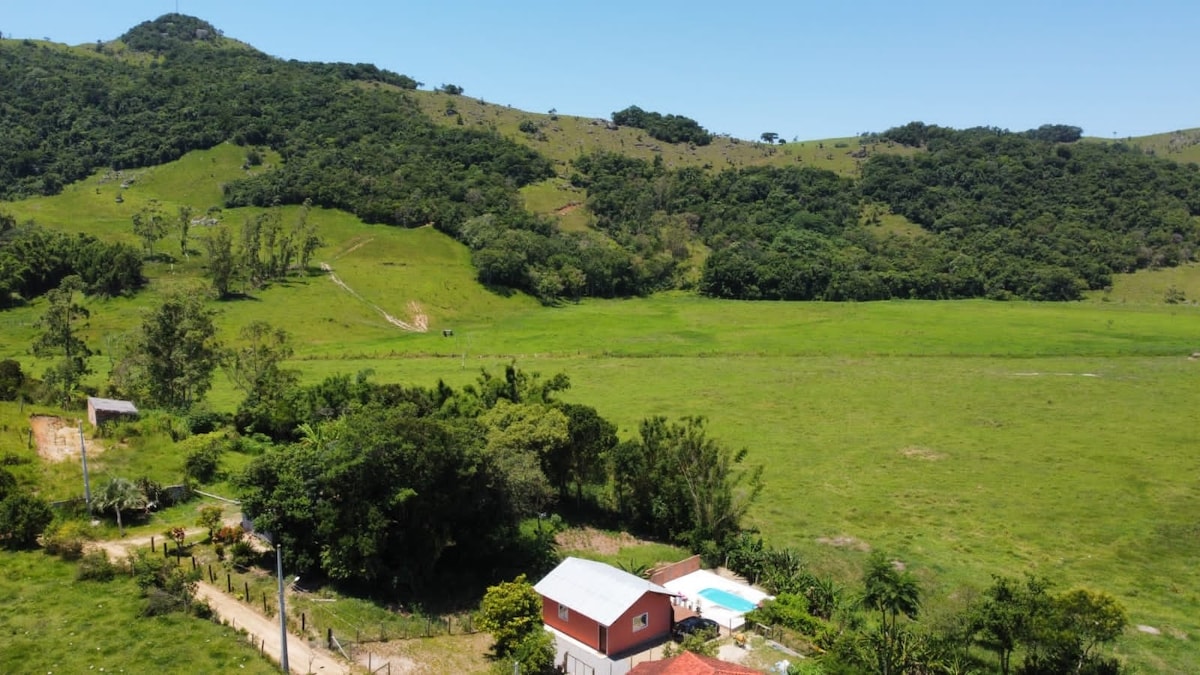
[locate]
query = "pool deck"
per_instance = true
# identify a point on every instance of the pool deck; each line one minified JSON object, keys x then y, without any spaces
{"x":689,"y":587}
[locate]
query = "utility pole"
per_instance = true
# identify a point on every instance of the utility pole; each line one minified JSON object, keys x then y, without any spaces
{"x":282,"y":609}
{"x":87,"y":487}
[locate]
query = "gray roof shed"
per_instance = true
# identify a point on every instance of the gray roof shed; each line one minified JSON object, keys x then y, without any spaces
{"x":112,"y":405}
{"x":596,"y":590}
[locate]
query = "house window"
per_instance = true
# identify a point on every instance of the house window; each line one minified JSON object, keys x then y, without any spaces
{"x":564,"y":613}
{"x":641,"y":621}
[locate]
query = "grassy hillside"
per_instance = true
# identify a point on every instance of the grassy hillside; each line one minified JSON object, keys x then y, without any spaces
{"x":1182,"y":146}
{"x":969,"y":438}
{"x":564,"y":137}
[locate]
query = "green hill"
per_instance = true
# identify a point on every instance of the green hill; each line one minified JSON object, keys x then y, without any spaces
{"x":730,"y":218}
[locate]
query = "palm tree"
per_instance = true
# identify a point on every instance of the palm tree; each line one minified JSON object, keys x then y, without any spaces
{"x":892,"y":592}
{"x":120,"y":494}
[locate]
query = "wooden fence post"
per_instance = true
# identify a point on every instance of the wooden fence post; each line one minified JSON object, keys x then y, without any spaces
{"x":303,"y":622}
{"x":229,"y":582}
{"x":329,"y":638}
{"x":246,"y":587}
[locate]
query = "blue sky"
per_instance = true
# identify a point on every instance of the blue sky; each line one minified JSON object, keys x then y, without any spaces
{"x":801,"y":69}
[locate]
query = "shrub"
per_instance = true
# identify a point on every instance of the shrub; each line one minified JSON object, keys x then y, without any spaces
{"x":23,"y":517}
{"x":65,"y":539}
{"x":202,"y":419}
{"x":95,"y":566}
{"x":229,"y":534}
{"x":789,"y":610}
{"x":242,"y":554}
{"x":528,"y":127}
{"x":166,"y":586}
{"x":201,"y":463}
{"x":11,"y":379}
{"x":156,"y":497}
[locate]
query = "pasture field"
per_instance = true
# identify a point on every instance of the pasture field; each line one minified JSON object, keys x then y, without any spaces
{"x":52,"y":623}
{"x":966,"y":438}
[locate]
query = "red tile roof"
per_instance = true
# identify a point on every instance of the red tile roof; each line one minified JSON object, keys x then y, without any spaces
{"x":688,"y":663}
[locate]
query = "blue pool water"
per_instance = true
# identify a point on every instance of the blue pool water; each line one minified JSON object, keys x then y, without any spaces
{"x":726,"y":599}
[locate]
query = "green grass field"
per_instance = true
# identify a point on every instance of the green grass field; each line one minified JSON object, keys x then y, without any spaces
{"x":54,"y":624}
{"x":968,"y":438}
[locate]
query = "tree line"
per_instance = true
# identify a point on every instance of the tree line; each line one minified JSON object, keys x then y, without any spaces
{"x":1002,"y":215}
{"x":391,"y":484}
{"x":34,"y":260}
{"x":879,"y":624}
{"x":668,"y":128}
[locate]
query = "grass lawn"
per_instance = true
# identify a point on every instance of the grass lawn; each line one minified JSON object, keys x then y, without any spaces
{"x":54,"y":624}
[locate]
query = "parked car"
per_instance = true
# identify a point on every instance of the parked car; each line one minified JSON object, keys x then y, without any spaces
{"x":693,"y":625}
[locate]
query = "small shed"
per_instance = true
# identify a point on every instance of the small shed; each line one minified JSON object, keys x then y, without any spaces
{"x":101,"y":410}
{"x":605,"y":608}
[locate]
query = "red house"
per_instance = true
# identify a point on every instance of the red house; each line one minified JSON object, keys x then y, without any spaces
{"x":603,"y":607}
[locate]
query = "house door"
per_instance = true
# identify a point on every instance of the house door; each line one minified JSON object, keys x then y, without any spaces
{"x":603,"y":647}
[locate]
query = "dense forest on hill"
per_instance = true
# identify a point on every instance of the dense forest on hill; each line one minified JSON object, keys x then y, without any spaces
{"x":366,"y":149}
{"x":1004,"y":215}
{"x":1037,"y":215}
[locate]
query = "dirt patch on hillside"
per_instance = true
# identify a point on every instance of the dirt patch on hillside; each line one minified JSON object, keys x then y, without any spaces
{"x":58,"y":439}
{"x":418,"y":320}
{"x":564,"y":210}
{"x":923,"y":453}
{"x":596,"y":541}
{"x":845,"y":541}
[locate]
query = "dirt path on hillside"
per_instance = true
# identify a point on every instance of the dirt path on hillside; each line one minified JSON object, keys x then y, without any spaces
{"x":264,"y":632}
{"x":419,"y":322}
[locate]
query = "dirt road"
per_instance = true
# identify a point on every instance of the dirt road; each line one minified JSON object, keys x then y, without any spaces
{"x":302,"y":657}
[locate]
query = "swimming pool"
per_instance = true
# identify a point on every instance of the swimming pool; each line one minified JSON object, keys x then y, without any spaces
{"x":726,"y":599}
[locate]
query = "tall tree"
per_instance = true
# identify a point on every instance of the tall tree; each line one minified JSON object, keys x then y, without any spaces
{"x":683,"y":484}
{"x":510,"y":611}
{"x":892,"y":592}
{"x":185,"y":227}
{"x":255,"y":366}
{"x":222,"y":265}
{"x":307,"y":235}
{"x":1005,"y":615}
{"x":60,"y":337}
{"x":1064,"y":639}
{"x":581,"y":459}
{"x":173,"y":353}
{"x":150,"y":225}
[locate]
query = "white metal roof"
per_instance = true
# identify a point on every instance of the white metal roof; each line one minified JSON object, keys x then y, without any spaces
{"x":595,"y":590}
{"x":112,"y":405}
